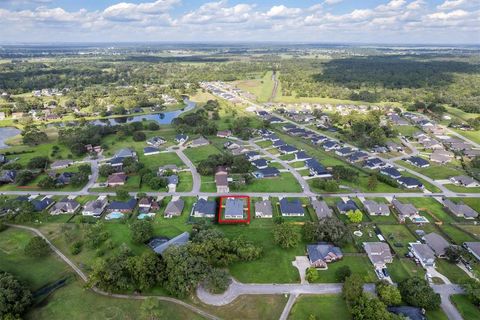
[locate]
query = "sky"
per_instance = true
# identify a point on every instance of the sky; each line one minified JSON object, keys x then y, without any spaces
{"x":325,"y":21}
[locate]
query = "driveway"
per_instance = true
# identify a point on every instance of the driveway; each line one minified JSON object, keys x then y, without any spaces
{"x":302,"y":264}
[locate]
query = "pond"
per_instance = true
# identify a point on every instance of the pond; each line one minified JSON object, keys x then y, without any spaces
{"x":7,"y":133}
{"x":160,"y":118}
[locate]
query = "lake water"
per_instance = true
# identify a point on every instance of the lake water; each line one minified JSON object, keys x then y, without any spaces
{"x":5,"y":134}
{"x":160,"y":118}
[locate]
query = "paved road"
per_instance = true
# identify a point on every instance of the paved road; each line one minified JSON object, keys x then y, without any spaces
{"x":196,"y":176}
{"x":445,"y":291}
{"x":93,"y":177}
{"x":237,"y":289}
{"x":288,"y":306}
{"x":84,"y":277}
{"x":458,"y":135}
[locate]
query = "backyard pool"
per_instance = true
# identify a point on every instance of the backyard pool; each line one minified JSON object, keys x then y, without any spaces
{"x":419,"y":219}
{"x":114,"y":215}
{"x":142,"y":216}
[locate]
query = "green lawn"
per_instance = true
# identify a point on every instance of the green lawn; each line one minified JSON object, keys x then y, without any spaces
{"x":264,"y":144}
{"x":358,"y":264}
{"x":261,"y":87}
{"x":451,"y":271}
{"x":320,"y":306}
{"x":404,"y":268}
{"x":196,"y":155}
{"x":433,"y":206}
{"x":460,"y":189}
{"x":208,"y":184}
{"x":466,"y":308}
{"x":398,"y":236}
{"x":36,"y":272}
{"x":275,"y":263}
{"x":436,"y":172}
{"x":286,"y":182}
{"x":185,"y":181}
{"x":457,"y":235}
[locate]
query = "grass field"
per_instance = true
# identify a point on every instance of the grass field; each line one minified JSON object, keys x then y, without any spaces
{"x":321,"y":307}
{"x":196,"y":155}
{"x":398,"y":236}
{"x":436,"y":172}
{"x":358,"y":264}
{"x":451,"y":271}
{"x":457,"y":235}
{"x":404,"y":268}
{"x":260,"y":87}
{"x":466,"y":308}
{"x":286,"y":182}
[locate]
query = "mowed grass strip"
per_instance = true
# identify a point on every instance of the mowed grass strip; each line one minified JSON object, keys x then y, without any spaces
{"x":328,"y":306}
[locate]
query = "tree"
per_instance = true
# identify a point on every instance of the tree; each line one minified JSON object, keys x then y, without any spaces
{"x":153,"y":126}
{"x":183,"y":270}
{"x":217,"y":281}
{"x":37,"y":247}
{"x":47,"y":182}
{"x":368,"y":307}
{"x":352,"y":289}
{"x":141,"y":231}
{"x":38,"y":163}
{"x":106,"y":170}
{"x":146,"y":269}
{"x":372,"y":182}
{"x":122,"y":194}
{"x":472,"y":289}
{"x":453,"y":253}
{"x":15,"y":297}
{"x":139,"y":136}
{"x":285,"y":235}
{"x":151,"y":309}
{"x":33,"y":136}
{"x":312,"y":274}
{"x":417,"y":292}
{"x":355,"y":216}
{"x":342,"y":273}
{"x":328,"y":229}
{"x":387,"y":293}
{"x":24,"y":177}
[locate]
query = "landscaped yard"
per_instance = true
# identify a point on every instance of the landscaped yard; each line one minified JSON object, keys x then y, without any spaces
{"x":466,"y":308}
{"x":320,"y":306}
{"x":451,"y":271}
{"x":358,"y":264}
{"x":457,"y":235}
{"x":403,"y":268}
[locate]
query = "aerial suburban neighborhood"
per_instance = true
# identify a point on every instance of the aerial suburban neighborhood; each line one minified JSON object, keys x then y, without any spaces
{"x":191,"y":180}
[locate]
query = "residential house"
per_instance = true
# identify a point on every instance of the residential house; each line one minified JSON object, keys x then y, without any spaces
{"x":260,"y":163}
{"x":316,"y":169}
{"x":357,"y":156}
{"x":379,"y":253}
{"x":221,"y":180}
{"x":345,"y":151}
{"x":397,"y":120}
{"x":230,"y":145}
{"x":410,"y":183}
{"x":460,"y":210}
{"x":122,"y":206}
{"x":423,"y":253}
{"x":302,"y":155}
{"x":379,"y":149}
{"x":61,"y":164}
{"x":167,"y":168}
{"x":65,"y":206}
{"x":418,"y":162}
{"x":204,"y":209}
{"x":159,"y":247}
{"x":181,"y":138}
{"x":465,"y":181}
{"x":287,"y":149}
{"x":346,"y":206}
{"x":394,"y":147}
{"x":174,"y":208}
{"x":437,"y":243}
{"x":43,"y":204}
{"x":7,"y":176}
{"x":224,"y":134}
{"x":156,"y":141}
{"x":172,"y":182}
{"x":322,"y":210}
{"x":148,"y":151}
{"x":407,"y":210}
{"x":148,"y":204}
{"x":374,"y":163}
{"x":473,"y":248}
{"x":199,"y":142}
{"x":272,"y":137}
{"x":441,"y":156}
{"x":234,"y":208}
{"x":330,"y":145}
{"x":263,"y":209}
{"x":252,"y":155}
{"x":321,"y":254}
{"x":95,"y":208}
{"x":376,"y":209}
{"x":278,"y":143}
{"x":116,"y":179}
{"x":291,"y":208}
{"x":268,"y":172}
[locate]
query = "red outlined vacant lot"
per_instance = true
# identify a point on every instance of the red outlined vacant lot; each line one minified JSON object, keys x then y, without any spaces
{"x":222,"y":220}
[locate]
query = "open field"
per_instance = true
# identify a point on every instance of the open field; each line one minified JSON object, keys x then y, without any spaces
{"x":398,"y":236}
{"x":260,"y":87}
{"x":320,"y":306}
{"x":466,"y":308}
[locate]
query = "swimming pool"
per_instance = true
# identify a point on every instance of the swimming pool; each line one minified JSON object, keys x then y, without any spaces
{"x":142,"y":216}
{"x":114,"y":215}
{"x":419,"y":220}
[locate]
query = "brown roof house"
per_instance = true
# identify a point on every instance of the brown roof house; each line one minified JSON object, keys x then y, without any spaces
{"x":221,"y":180}
{"x":116,"y":179}
{"x":322,"y":253}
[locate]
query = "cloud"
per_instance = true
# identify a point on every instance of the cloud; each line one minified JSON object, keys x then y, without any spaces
{"x":283,"y":12}
{"x":452,"y":4}
{"x":218,"y":12}
{"x":125,"y":11}
{"x":332,"y":2}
